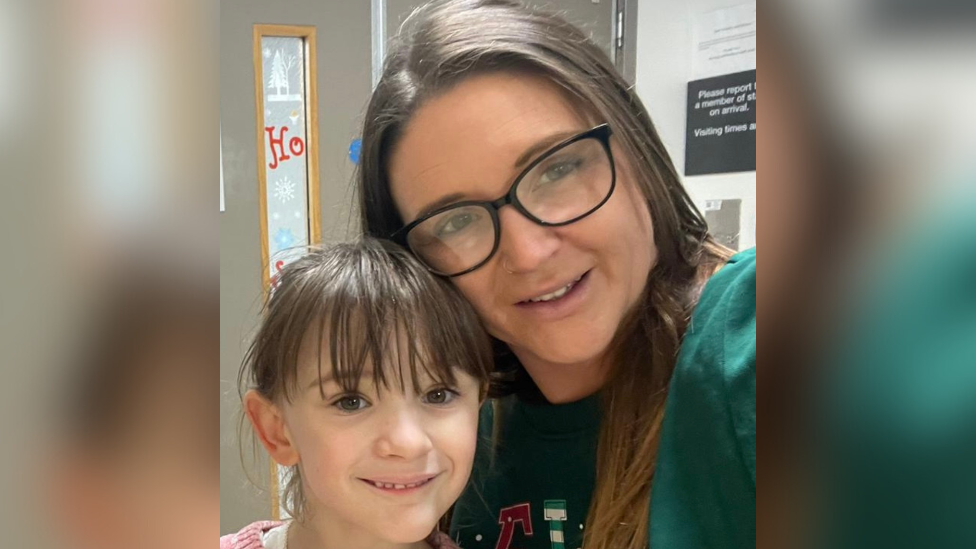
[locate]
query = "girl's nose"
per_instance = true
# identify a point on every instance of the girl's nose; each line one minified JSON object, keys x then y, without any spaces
{"x":403,"y":436}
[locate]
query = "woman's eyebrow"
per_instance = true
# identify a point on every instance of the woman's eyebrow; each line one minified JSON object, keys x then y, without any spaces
{"x":541,"y":146}
{"x":440,"y":202}
{"x":527,"y":155}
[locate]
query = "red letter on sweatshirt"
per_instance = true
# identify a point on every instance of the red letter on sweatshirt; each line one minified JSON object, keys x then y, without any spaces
{"x":507,"y":518}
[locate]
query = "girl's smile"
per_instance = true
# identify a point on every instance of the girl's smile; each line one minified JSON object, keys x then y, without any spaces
{"x":401,"y":485}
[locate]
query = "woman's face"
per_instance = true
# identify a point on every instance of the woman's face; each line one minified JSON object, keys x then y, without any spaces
{"x":465,"y":144}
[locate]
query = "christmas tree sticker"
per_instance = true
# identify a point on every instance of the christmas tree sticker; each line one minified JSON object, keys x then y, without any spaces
{"x":280,"y":78}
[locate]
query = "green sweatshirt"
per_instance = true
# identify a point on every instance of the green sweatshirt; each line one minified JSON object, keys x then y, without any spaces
{"x":704,"y":491}
{"x":535,"y":491}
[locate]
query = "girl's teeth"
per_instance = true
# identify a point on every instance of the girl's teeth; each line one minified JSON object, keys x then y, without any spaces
{"x":397,"y":486}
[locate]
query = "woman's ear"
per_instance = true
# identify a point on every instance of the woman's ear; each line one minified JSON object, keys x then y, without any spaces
{"x":269,"y":426}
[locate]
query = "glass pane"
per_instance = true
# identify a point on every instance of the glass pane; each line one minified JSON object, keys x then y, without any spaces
{"x":286,"y":166}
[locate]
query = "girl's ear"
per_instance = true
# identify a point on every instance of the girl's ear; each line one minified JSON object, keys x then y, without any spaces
{"x":269,"y":425}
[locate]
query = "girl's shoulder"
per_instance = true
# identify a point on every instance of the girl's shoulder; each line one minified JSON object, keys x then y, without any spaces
{"x":250,"y":537}
{"x":440,"y":540}
{"x":253,"y":535}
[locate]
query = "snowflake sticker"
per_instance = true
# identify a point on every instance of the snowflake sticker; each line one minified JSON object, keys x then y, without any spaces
{"x":298,"y":214}
{"x":266,"y":52}
{"x":284,"y":239}
{"x":284,"y":189}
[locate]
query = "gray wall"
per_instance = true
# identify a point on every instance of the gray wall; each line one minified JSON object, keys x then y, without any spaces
{"x":343,"y":35}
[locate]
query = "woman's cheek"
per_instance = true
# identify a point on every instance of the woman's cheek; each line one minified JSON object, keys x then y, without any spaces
{"x":478,"y":290}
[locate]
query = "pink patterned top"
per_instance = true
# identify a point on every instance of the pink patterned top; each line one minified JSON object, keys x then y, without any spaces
{"x":251,"y":537}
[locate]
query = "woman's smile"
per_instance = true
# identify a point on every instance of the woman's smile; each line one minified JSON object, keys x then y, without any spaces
{"x":561,"y":303}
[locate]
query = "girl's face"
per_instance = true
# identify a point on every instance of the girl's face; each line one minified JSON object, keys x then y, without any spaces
{"x":465,"y":144}
{"x":382,"y":464}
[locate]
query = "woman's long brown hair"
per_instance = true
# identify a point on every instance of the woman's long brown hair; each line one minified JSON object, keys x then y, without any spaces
{"x":446,"y":42}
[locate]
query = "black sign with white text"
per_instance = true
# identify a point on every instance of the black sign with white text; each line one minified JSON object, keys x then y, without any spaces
{"x":721,"y":131}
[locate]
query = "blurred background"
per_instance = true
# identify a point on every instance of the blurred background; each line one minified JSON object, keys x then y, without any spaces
{"x":111,"y":240}
{"x":109,"y":302}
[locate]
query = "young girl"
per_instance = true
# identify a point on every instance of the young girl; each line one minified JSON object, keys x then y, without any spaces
{"x":365,"y":380}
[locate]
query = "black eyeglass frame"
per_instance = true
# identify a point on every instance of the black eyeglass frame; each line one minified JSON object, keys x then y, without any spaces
{"x":602,"y":133}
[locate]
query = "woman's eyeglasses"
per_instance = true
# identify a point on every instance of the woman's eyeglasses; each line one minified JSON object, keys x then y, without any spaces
{"x":563,"y":185}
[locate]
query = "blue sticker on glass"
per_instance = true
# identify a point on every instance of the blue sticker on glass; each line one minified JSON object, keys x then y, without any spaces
{"x":284,"y":239}
{"x":354,"y":148}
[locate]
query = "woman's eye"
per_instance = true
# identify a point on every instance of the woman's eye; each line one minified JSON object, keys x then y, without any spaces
{"x":560,"y":170}
{"x":455,"y":224}
{"x":440,"y":396}
{"x":350,"y":403}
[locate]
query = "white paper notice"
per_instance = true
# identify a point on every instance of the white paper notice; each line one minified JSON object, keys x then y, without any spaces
{"x":724,"y":41}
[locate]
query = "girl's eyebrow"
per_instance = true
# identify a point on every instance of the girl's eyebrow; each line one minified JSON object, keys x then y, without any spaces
{"x":328,"y":378}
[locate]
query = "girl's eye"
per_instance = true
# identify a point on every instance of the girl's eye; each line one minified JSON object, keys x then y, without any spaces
{"x":351,"y":403}
{"x":440,"y":396}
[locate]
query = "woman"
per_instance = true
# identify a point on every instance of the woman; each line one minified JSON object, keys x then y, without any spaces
{"x":501,"y":147}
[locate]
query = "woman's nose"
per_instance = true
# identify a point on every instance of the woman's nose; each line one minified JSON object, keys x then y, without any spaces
{"x":523,"y":244}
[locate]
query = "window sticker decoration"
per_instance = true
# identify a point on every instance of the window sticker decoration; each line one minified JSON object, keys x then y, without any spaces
{"x":287,"y":130}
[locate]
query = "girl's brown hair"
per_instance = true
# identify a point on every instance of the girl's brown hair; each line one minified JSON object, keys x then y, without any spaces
{"x":443,"y":43}
{"x":370,"y":300}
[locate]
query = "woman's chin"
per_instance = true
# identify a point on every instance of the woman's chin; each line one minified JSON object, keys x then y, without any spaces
{"x":565,"y":353}
{"x":570,"y":347}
